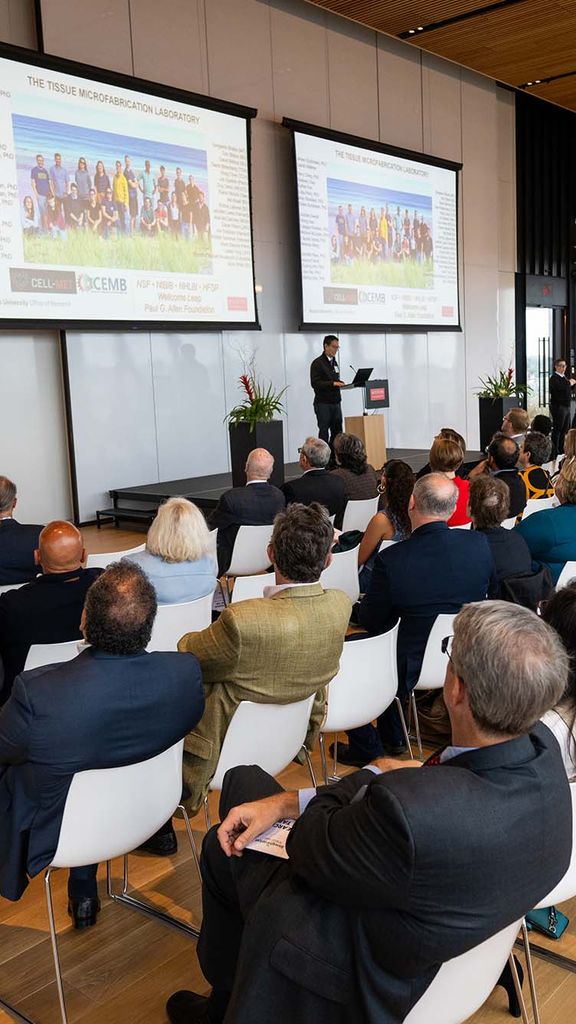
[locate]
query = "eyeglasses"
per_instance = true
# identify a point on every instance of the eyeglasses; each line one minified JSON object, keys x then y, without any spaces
{"x":447,"y":645}
{"x":299,"y":450}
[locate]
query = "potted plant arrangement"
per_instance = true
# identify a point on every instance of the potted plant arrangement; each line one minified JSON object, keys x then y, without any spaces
{"x":252,"y":424}
{"x":498,"y":394}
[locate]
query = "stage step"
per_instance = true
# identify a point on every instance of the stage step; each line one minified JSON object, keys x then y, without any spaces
{"x":142,"y":515}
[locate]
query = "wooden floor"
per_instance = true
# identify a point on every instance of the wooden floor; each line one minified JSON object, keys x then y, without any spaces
{"x":122,"y":971}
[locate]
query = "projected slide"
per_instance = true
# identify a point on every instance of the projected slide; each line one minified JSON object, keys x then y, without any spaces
{"x":120,"y":206}
{"x":378,"y":237}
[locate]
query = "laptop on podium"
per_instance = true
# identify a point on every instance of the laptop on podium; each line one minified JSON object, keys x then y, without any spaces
{"x":362,"y":376}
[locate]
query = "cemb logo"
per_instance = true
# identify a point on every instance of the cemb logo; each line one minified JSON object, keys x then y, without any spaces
{"x":99,"y":283}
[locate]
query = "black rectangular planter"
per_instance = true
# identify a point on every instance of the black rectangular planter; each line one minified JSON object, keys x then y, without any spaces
{"x":242,"y":442}
{"x":492,"y":412}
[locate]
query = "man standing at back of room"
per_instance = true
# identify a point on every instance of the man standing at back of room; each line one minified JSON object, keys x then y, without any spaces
{"x":256,"y":504}
{"x":560,"y":395}
{"x":326,"y":383}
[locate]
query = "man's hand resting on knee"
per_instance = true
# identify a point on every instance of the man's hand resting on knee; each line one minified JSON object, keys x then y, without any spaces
{"x":243,"y":823}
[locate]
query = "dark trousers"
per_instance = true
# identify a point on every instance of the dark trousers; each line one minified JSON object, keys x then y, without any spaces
{"x":230,"y":887}
{"x":560,"y":424}
{"x":329,"y":418}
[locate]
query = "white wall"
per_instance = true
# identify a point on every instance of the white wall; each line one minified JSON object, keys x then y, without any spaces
{"x":290,"y":59}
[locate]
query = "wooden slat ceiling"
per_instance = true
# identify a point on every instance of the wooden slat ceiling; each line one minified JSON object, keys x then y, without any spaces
{"x":515,"y":41}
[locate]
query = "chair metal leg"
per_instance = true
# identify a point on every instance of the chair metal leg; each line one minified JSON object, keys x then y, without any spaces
{"x":55,"y":953}
{"x":323,"y":758}
{"x":518,"y":988}
{"x":207,"y":817}
{"x":416,"y":724}
{"x":310,"y":768}
{"x":335,"y":766}
{"x":403,"y":723}
{"x":146,"y":908}
{"x":530,"y":973}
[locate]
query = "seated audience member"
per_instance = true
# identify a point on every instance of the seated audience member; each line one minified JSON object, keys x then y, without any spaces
{"x":392,"y":522}
{"x":256,"y":504}
{"x":277,"y":649}
{"x":18,"y":541}
{"x":449,"y":435}
{"x":489,"y":507}
{"x":542,"y":425}
{"x":560,"y":613}
{"x":316,"y":483}
{"x":47,"y":610}
{"x":516,"y":424}
{"x":112,"y":705}
{"x":176,"y":559}
{"x":551,"y":534}
{"x":569,"y":447}
{"x":391,"y":872}
{"x":503,"y":453}
{"x":436,"y":570}
{"x":359,"y":477}
{"x":446,"y":457}
{"x":533,"y":453}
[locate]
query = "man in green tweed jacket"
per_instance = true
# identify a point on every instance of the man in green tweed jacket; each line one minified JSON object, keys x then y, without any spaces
{"x":276,"y":649}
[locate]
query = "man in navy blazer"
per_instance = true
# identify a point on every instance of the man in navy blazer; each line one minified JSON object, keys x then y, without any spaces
{"x":112,"y":705}
{"x":436,"y":570}
{"x":256,"y":504}
{"x":18,"y":541}
{"x":316,"y":483}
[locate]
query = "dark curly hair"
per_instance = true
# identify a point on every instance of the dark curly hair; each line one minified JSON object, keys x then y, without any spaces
{"x":400,"y":480}
{"x":120,"y":610}
{"x":350,"y":453}
{"x":301,"y":539}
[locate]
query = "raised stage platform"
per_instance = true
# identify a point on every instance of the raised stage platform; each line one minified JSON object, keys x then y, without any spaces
{"x":139,"y":503}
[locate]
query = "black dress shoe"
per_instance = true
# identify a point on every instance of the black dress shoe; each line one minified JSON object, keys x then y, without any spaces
{"x":83,"y":911}
{"x":188,"y":1008}
{"x":345,"y":756}
{"x":160,"y":845}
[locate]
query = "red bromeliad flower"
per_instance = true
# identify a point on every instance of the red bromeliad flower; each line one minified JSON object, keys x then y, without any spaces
{"x":510,"y":374}
{"x":247,"y":385}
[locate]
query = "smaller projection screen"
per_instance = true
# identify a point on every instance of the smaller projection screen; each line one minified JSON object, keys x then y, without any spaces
{"x":123,"y":202}
{"x":378,"y":235}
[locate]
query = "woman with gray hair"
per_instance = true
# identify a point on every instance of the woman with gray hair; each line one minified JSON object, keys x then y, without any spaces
{"x":177,"y":559}
{"x":489,"y":505}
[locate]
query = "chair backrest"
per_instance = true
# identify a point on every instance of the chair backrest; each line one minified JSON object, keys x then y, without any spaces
{"x":269,"y":735}
{"x":173,"y":620}
{"x":509,"y":524}
{"x":10,"y":586}
{"x":51,"y":654}
{"x":568,"y":573}
{"x":249,"y":555}
{"x":434,"y":663}
{"x":463,"y":984}
{"x":366,"y":682}
{"x":386,"y":544}
{"x":102,"y":559}
{"x":342,"y":574}
{"x":110,"y":811}
{"x":538,"y":505}
{"x":358,"y":513}
{"x":213,"y":549}
{"x":246,"y":587}
{"x":566,"y":888}
{"x":549,"y":467}
{"x":462,"y":526}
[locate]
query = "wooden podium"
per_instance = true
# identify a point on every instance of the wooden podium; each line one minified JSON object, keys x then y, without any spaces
{"x":371,"y":430}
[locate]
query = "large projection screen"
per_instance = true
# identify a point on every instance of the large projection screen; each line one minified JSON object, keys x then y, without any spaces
{"x":378,"y":234}
{"x":123,"y":202}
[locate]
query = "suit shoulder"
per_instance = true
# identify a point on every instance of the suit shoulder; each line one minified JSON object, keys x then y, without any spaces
{"x":339,"y":601}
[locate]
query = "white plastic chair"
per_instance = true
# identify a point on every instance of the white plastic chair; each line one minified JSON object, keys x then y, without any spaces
{"x":269,"y":735}
{"x":174,"y":620}
{"x":247,"y":587}
{"x":565,"y":890}
{"x":11,"y":586}
{"x":51,"y":654}
{"x":342,"y":574}
{"x":432,"y":672}
{"x":213,"y":549}
{"x":463,"y":984}
{"x":509,"y":524}
{"x":365,"y":685}
{"x":249,"y":555}
{"x":462,"y":526}
{"x":568,"y":573}
{"x":539,"y":505}
{"x":109,"y":812}
{"x":102,"y":559}
{"x":358,"y":513}
{"x":549,"y":467}
{"x":386,"y":544}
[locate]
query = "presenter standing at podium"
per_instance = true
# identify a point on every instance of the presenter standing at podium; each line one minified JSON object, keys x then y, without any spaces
{"x":325,"y":380}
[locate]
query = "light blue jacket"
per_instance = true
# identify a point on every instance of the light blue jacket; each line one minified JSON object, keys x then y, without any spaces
{"x":176,"y":581}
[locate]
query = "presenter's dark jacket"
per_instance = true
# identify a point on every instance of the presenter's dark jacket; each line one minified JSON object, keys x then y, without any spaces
{"x":46,"y":611}
{"x":436,"y":570}
{"x":560,"y":391}
{"x":253,"y":505}
{"x":18,"y":542}
{"x":97,"y":711}
{"x":379,"y":891}
{"x":318,"y":485}
{"x":322,"y":377}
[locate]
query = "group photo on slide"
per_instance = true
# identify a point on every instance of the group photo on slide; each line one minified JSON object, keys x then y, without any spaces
{"x":379,"y":236}
{"x":97,"y":199}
